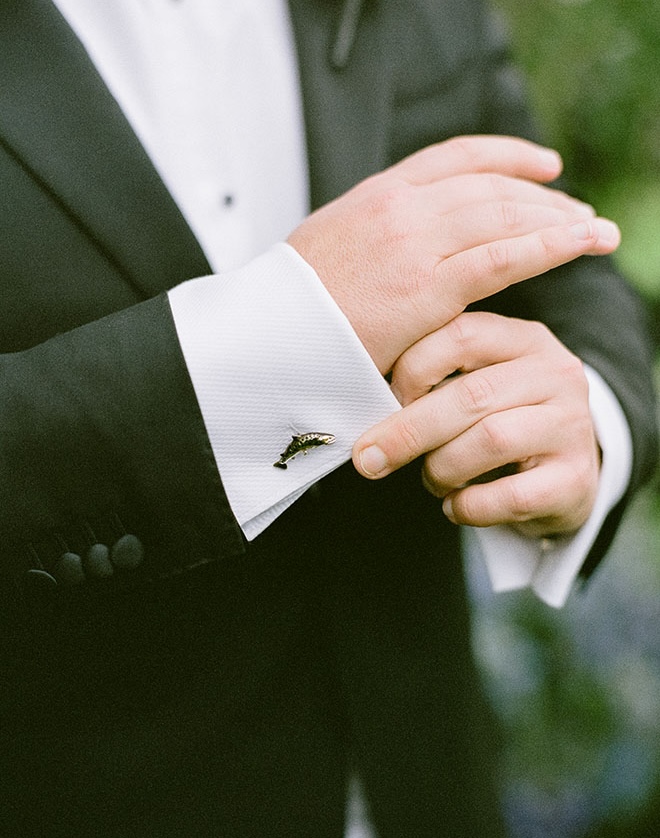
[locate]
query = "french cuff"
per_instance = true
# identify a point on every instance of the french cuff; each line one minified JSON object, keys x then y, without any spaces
{"x":272,"y":356}
{"x":550,"y":566}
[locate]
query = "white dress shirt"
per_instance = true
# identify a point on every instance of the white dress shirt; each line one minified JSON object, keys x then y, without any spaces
{"x":211,"y":90}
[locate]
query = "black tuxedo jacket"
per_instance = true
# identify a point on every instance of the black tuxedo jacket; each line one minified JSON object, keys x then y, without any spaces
{"x":159,"y":675}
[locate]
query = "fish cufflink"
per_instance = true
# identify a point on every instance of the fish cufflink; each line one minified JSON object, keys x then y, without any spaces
{"x":301,"y":444}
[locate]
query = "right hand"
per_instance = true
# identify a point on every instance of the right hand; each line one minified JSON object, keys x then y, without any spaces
{"x":407,"y":250}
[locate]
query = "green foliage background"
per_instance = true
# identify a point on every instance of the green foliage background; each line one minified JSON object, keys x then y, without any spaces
{"x":594,"y":74}
{"x":578,"y":690}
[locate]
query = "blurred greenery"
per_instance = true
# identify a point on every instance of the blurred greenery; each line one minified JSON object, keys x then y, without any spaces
{"x":578,"y":689}
{"x":593,"y":68}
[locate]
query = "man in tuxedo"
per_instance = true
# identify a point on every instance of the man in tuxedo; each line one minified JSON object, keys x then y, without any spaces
{"x":193,"y":641}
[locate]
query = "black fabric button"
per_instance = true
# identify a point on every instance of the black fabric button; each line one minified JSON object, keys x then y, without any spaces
{"x":69,"y":569}
{"x":96,"y":562}
{"x":127,"y":553}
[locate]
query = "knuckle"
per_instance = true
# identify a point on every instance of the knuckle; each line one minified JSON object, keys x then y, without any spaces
{"x":432,"y":479}
{"x":463,"y":330}
{"x":540,"y":331}
{"x":409,"y":378}
{"x":463,"y":147}
{"x":509,"y":216}
{"x":548,"y":247}
{"x":544,"y":342}
{"x":467,"y":508}
{"x":572,"y":370}
{"x":497,"y":187}
{"x":527,"y":504}
{"x":409,"y":440}
{"x":583,"y":430}
{"x":404,"y":370}
{"x":583,"y":478}
{"x":499,"y":257}
{"x":476,"y":393}
{"x":496,"y":438}
{"x":385,"y":208}
{"x":368,"y":187}
{"x":388,"y":219}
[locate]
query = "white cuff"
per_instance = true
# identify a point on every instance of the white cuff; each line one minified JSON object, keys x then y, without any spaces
{"x":271,"y":355}
{"x":550,"y":567}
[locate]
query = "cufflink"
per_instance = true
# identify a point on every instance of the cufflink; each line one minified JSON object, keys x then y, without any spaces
{"x":301,"y":444}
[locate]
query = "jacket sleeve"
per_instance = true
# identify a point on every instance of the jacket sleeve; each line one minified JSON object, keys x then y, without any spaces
{"x":103,"y":449}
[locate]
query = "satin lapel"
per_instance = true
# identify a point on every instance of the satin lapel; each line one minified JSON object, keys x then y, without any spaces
{"x":59,"y":119}
{"x":344,"y":106}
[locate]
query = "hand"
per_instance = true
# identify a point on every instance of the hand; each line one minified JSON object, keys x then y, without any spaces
{"x":518,"y":404}
{"x":408,"y":249}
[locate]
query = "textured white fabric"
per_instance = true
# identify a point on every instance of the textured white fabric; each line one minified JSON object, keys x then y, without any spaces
{"x":318,"y":376}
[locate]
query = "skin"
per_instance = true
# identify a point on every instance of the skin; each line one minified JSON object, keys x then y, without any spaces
{"x":403,"y":254}
{"x":520,"y":398}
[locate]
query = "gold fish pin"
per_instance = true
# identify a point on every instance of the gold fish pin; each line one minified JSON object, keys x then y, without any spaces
{"x":302,"y":443}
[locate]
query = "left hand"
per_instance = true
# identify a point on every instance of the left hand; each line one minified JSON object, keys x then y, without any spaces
{"x":520,"y":403}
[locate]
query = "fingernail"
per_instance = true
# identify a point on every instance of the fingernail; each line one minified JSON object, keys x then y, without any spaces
{"x":551,"y":159}
{"x":582,"y":230}
{"x":608,"y":232}
{"x":605,"y":231}
{"x":448,"y":508}
{"x":372,"y":461}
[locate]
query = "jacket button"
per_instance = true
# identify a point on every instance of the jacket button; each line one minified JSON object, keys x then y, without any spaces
{"x":127,"y":553}
{"x":69,"y":570}
{"x":96,"y":562}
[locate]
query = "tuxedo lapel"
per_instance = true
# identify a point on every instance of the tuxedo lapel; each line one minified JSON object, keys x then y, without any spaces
{"x":344,"y":98}
{"x":58,"y":118}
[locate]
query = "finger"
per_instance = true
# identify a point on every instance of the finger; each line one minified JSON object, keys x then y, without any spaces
{"x":468,"y":189}
{"x":489,"y":268}
{"x":519,"y":437}
{"x":468,"y":342}
{"x":472,"y":226}
{"x":506,"y":155}
{"x":441,"y":415}
{"x":552,"y":498}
